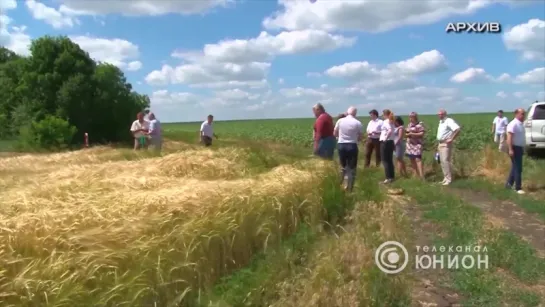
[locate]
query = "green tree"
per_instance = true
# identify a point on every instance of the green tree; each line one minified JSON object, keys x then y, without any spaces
{"x":59,"y":80}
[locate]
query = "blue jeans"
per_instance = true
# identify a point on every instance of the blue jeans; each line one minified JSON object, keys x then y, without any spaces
{"x":348,"y":158}
{"x":326,"y":147}
{"x":515,"y":176}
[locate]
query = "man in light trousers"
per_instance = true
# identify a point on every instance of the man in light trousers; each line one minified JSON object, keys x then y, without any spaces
{"x":499,"y":124}
{"x":154,"y":134}
{"x":447,"y":132}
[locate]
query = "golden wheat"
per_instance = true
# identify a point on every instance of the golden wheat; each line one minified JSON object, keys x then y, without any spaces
{"x":92,"y":228}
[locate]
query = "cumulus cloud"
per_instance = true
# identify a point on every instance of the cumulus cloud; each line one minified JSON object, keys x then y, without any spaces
{"x":528,"y":39}
{"x":49,"y":15}
{"x":243,"y":60}
{"x":12,"y":37}
{"x":118,"y":52}
{"x":139,"y":8}
{"x":478,"y":75}
{"x":534,"y":76}
{"x":365,"y":15}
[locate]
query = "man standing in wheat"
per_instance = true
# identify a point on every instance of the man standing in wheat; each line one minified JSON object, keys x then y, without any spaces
{"x":324,"y":141}
{"x":516,"y":140}
{"x":499,"y":124}
{"x":139,"y":128}
{"x":207,"y":131}
{"x":154,"y":134}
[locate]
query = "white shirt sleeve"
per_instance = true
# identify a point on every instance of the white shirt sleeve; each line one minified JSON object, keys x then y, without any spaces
{"x":202,"y":127}
{"x":511,"y":128}
{"x":452,"y":124}
{"x":133,"y":127}
{"x":506,"y":121}
{"x":495,"y":120}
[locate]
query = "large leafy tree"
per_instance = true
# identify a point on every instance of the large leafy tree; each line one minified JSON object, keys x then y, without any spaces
{"x":60,"y":80}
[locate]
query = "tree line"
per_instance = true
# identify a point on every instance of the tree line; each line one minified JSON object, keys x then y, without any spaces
{"x":51,"y":98}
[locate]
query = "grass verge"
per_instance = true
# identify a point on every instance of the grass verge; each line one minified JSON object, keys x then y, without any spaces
{"x":462,"y":224}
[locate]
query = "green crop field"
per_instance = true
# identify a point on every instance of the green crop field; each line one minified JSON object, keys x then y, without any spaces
{"x":476,"y":129}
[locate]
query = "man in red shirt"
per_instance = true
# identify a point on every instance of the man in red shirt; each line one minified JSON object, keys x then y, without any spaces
{"x":324,"y":140}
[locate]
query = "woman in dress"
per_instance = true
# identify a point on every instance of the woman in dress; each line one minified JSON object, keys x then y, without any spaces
{"x":399,"y":142}
{"x":415,"y":143}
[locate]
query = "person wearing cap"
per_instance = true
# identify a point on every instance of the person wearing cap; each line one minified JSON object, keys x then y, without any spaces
{"x":324,"y":141}
{"x":154,"y":133}
{"x":374,"y":129}
{"x":499,"y":126}
{"x":349,"y":132}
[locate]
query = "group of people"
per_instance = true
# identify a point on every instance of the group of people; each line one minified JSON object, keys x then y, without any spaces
{"x":146,"y":130}
{"x":391,"y":140}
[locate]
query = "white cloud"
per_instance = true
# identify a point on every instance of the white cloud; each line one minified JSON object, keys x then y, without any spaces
{"x":14,"y":38}
{"x":140,"y":7}
{"x":50,"y":15}
{"x":114,"y":51}
{"x":528,"y":39}
{"x":164,"y":97}
{"x":426,"y":62}
{"x":6,"y":5}
{"x":134,"y":66}
{"x":243,"y":60}
{"x":365,"y":15}
{"x":501,"y":94}
{"x":478,"y":75}
{"x":535,"y":76}
{"x":471,"y":75}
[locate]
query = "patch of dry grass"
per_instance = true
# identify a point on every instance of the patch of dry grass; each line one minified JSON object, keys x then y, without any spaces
{"x":102,"y":227}
{"x":496,"y":165}
{"x":342,"y":271}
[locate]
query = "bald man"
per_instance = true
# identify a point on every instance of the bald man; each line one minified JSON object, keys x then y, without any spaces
{"x":324,"y":141}
{"x":516,"y":140}
{"x":447,"y":132}
{"x":349,"y":132}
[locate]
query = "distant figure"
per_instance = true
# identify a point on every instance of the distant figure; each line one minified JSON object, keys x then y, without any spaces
{"x":324,"y":141}
{"x":374,"y":128}
{"x":207,"y":131}
{"x":399,"y":145}
{"x":348,"y":131}
{"x":499,"y":124}
{"x":516,"y":140}
{"x":387,"y":145}
{"x":415,"y":143}
{"x":139,"y":129}
{"x":447,"y":132}
{"x":154,"y":133}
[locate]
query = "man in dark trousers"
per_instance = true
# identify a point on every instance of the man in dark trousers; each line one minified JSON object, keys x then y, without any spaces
{"x":374,"y":128}
{"x":324,"y":140}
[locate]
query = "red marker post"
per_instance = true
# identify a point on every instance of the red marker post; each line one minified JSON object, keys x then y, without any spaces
{"x":86,"y":140}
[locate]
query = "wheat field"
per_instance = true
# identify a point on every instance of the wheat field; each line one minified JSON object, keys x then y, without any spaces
{"x":109,"y":227}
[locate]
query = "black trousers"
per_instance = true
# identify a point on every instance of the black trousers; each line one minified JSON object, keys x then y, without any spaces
{"x":348,"y":158}
{"x":387,"y":156}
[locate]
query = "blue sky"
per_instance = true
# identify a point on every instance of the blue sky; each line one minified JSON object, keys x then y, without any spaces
{"x":269,"y":59}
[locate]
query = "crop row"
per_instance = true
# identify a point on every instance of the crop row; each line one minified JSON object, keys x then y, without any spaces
{"x":476,"y":130}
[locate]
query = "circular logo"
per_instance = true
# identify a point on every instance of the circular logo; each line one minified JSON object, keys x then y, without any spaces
{"x":387,"y":257}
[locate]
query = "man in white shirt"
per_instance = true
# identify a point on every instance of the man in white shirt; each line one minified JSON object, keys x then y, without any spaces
{"x":498,"y":128}
{"x":154,"y":132}
{"x":447,"y":132}
{"x":139,"y":128}
{"x":374,"y":128}
{"x":207,"y":132}
{"x":516,"y":140}
{"x":348,"y":131}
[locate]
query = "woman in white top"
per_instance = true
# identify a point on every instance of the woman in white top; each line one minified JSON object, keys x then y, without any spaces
{"x":387,"y":145}
{"x":399,"y":142}
{"x":348,"y":131}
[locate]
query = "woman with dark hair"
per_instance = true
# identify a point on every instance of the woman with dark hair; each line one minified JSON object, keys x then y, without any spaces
{"x":387,"y":145}
{"x":415,"y":143}
{"x":399,"y":143}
